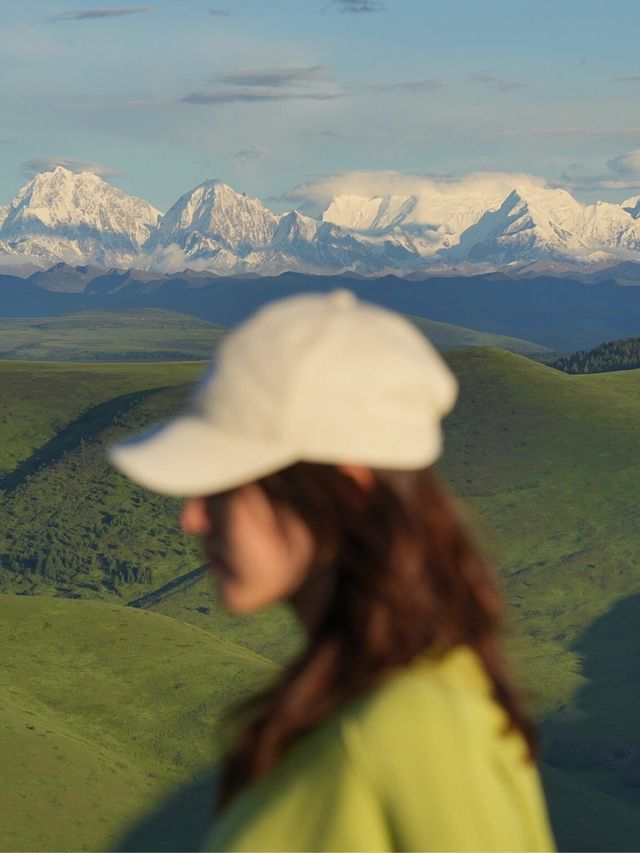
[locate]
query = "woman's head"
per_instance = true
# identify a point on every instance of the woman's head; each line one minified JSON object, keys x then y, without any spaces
{"x":385,"y":569}
{"x":381,"y":548}
{"x":262,"y":551}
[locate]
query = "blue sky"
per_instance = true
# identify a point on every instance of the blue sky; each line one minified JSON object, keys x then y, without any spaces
{"x":160,"y":96}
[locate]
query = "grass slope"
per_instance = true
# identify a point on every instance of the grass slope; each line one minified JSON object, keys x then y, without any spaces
{"x":548,"y":464}
{"x":125,"y":334}
{"x":39,"y":400}
{"x":53,"y":785}
{"x":152,"y":334}
{"x":101,"y":698}
{"x":446,"y":336}
{"x":67,"y":526}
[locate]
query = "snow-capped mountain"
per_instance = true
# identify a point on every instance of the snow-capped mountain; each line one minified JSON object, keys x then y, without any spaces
{"x":64,"y":216}
{"x":495,"y":220}
{"x":213,"y":217}
{"x":610,"y":225}
{"x":360,"y":213}
{"x":330,"y":246}
{"x":531,"y":222}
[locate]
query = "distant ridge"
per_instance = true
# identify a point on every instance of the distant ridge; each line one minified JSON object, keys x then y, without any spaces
{"x":560,"y":313}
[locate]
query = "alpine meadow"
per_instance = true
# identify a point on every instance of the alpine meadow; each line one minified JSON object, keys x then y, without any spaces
{"x":168,"y":171}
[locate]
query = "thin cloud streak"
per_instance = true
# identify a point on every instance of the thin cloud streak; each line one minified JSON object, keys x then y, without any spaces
{"x":489,"y":78}
{"x":632,"y":78}
{"x":47,"y":164}
{"x":356,"y":6}
{"x":244,"y":156}
{"x":95,"y":14}
{"x":324,"y":134}
{"x":408,"y":86}
{"x":273,"y":77}
{"x":204,"y":98}
{"x":570,"y":131}
{"x":595,"y":183}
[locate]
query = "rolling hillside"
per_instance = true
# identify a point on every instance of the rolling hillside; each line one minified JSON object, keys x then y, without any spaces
{"x":151,"y":334}
{"x":445,"y":336}
{"x":41,"y":401}
{"x":144,"y":334}
{"x":104,"y":711}
{"x":547,"y":463}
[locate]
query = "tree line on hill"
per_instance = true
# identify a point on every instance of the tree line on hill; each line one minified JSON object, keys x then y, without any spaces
{"x":612,"y":355}
{"x":67,"y":526}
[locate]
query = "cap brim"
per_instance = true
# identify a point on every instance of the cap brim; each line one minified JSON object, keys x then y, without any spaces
{"x":188,"y":457}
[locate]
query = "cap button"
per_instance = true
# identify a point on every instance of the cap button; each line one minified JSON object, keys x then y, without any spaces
{"x":343,"y":298}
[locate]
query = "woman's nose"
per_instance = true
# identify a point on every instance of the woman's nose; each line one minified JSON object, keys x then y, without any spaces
{"x":194,"y":518}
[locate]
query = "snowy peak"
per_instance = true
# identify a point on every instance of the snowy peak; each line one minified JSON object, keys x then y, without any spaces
{"x":359,"y":213}
{"x":532,"y":222}
{"x":610,"y":225}
{"x":77,"y":204}
{"x":295,"y":228}
{"x":219,"y":215}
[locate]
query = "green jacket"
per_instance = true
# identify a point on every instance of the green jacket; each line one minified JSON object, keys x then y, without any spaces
{"x":417,"y":763}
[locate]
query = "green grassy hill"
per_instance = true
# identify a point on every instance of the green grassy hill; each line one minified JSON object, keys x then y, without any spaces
{"x":104,"y":711}
{"x":548,"y":464}
{"x":445,"y":336}
{"x":121,"y":334}
{"x":40,"y":401}
{"x":151,"y":334}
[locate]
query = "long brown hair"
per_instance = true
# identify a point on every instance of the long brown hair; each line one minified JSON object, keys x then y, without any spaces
{"x":408,"y":577}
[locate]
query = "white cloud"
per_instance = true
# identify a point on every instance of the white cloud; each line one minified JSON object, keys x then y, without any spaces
{"x":626,"y":165}
{"x":387,"y":182}
{"x":623,"y":174}
{"x":168,"y":259}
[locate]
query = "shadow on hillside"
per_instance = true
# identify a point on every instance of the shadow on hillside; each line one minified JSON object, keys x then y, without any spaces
{"x":180,"y":823}
{"x":601,"y":739}
{"x":611,"y":652}
{"x":83,"y":428}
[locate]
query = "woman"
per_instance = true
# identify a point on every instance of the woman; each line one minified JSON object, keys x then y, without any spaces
{"x":306,"y":463}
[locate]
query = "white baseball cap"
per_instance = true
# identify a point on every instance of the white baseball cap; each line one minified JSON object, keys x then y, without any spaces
{"x":312,"y":377}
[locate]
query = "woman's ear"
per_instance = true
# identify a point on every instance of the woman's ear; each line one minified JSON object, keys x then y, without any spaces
{"x":360,"y":473}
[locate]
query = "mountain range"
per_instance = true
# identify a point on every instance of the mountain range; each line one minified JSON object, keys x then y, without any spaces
{"x":79,"y":219}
